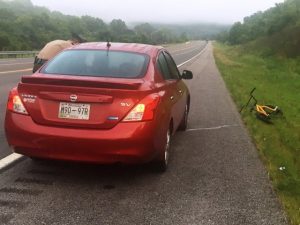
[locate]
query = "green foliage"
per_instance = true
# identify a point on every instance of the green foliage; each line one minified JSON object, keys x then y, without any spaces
{"x":278,"y":83}
{"x":24,"y":26}
{"x":236,"y":35}
{"x":4,"y":41}
{"x":144,"y":33}
{"x":275,"y":31}
{"x":195,"y":31}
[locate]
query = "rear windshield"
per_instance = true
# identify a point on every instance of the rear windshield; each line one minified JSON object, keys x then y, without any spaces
{"x":100,"y":63}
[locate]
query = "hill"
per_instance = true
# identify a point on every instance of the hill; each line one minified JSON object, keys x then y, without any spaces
{"x":24,"y":26}
{"x":275,"y":31}
{"x":196,"y":31}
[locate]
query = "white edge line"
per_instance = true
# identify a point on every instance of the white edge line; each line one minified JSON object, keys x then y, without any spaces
{"x":16,"y":71}
{"x":8,"y":160}
{"x":213,"y":128}
{"x":192,"y":57}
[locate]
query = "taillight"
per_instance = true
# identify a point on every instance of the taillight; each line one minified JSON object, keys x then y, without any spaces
{"x":14,"y":103}
{"x":144,"y":110}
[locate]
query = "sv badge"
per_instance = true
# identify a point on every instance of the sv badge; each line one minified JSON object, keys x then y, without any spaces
{"x":125,"y":104}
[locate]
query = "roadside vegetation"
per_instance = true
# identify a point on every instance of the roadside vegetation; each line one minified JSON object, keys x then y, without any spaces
{"x":272,"y":65}
{"x":275,"y":31}
{"x":24,"y":26}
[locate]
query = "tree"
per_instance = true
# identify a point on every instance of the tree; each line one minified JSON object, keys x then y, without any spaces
{"x":4,"y":42}
{"x":117,"y":27}
{"x":236,"y":33}
{"x":144,"y":29}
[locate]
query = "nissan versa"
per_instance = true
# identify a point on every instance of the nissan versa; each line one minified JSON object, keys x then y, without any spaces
{"x":100,"y":102}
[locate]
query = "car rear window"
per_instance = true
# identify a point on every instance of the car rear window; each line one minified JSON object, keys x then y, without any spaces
{"x":100,"y":63}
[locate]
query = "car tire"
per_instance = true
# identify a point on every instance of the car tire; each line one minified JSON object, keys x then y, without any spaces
{"x":184,"y":121}
{"x":162,"y":164}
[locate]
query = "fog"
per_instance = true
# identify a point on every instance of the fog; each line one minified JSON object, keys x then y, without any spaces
{"x":165,"y":11}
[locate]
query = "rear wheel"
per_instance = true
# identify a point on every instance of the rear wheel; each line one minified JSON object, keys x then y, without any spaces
{"x":162,"y":164}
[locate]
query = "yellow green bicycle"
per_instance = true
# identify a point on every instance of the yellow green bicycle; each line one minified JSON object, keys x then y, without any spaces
{"x":263,"y":112}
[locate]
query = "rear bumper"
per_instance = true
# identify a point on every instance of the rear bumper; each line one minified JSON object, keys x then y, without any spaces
{"x":126,"y":142}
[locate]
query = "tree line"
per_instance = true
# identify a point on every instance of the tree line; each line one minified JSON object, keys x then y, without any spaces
{"x":24,"y":26}
{"x":277,"y":29}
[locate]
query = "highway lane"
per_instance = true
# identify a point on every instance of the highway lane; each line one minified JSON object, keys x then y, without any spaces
{"x":182,"y":52}
{"x":215,"y":176}
{"x":16,"y":61}
{"x":15,"y":64}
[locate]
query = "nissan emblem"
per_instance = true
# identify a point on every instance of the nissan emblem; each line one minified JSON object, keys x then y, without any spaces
{"x":73,"y":98}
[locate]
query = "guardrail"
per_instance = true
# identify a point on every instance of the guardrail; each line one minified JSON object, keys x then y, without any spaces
{"x":17,"y":54}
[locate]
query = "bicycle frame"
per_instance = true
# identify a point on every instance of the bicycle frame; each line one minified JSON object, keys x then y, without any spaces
{"x":262,"y":110}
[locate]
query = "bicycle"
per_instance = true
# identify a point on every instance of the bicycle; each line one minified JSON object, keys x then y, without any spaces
{"x":263,"y":112}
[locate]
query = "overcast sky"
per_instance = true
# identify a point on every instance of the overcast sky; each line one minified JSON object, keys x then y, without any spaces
{"x":167,"y":11}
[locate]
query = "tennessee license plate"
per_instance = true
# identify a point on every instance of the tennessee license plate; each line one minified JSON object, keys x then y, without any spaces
{"x":74,"y":111}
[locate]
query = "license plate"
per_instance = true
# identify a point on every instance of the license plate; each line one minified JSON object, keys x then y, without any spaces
{"x":74,"y":111}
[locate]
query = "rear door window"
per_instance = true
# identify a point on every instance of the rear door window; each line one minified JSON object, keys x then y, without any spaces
{"x":100,"y":63}
{"x":172,"y":66}
{"x":163,"y":67}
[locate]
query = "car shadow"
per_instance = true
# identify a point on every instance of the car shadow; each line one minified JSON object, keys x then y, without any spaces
{"x":83,"y":172}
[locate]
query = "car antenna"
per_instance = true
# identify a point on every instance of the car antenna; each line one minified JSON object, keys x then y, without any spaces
{"x":108,"y":44}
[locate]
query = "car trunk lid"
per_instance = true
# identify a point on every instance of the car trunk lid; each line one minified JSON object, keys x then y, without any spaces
{"x":98,"y":103}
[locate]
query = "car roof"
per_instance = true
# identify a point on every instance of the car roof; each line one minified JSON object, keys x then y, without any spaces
{"x":114,"y":46}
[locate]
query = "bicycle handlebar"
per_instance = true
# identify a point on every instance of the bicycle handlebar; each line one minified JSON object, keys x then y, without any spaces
{"x":252,"y":91}
{"x":251,"y":94}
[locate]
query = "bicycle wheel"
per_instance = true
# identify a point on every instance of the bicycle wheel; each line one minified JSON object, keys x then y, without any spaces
{"x":262,"y":117}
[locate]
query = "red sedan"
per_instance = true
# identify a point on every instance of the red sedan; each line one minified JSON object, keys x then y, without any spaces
{"x":100,"y":102}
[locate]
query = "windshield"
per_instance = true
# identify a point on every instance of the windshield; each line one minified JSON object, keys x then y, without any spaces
{"x":100,"y":63}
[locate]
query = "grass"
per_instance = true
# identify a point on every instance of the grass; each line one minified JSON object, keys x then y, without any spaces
{"x":277,"y":82}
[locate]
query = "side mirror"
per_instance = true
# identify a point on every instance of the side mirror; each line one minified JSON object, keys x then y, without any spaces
{"x":187,"y":75}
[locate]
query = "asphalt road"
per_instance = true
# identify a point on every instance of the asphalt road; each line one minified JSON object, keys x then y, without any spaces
{"x":215,"y":175}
